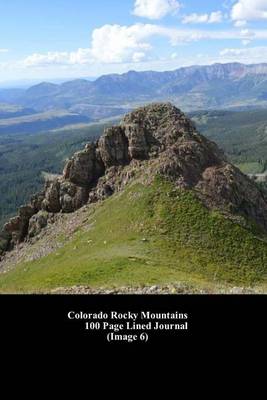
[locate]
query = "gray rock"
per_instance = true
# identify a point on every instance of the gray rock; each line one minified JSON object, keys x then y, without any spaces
{"x":17,"y":227}
{"x":137,"y":138}
{"x":85,"y":167}
{"x":72,"y":197}
{"x":51,"y":202}
{"x":113,"y":147}
{"x":37,"y":223}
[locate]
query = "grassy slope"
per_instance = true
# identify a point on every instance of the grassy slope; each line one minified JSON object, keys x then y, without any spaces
{"x":183,"y":242}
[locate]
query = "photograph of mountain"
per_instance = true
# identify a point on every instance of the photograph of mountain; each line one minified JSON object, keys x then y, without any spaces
{"x":133,"y":147}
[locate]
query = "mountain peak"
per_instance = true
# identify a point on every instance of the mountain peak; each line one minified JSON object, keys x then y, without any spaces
{"x":157,"y":139}
{"x":42,"y":89}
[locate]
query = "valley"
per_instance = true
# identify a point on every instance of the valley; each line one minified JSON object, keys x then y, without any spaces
{"x":39,"y":122}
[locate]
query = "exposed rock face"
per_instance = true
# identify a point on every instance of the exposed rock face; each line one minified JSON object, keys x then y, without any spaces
{"x":17,"y":227}
{"x":158,"y":138}
{"x":226,"y":188}
{"x":51,"y":201}
{"x":138,"y":141}
{"x":38,"y":222}
{"x":159,"y":126}
{"x":72,"y":196}
{"x":85,"y":167}
{"x":113,"y":147}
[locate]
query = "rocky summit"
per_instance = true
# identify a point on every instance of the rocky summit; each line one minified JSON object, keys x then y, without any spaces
{"x":154,"y":140}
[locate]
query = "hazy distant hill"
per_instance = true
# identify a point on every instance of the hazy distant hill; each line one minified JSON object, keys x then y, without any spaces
{"x":197,"y":87}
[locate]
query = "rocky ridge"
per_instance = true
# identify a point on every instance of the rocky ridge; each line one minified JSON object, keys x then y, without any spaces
{"x":156,"y":139}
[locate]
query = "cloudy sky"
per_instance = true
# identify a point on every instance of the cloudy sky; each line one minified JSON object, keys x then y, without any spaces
{"x":75,"y":38}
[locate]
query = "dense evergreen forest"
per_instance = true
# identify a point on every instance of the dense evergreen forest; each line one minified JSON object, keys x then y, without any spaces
{"x":242,"y":135}
{"x":25,"y":158}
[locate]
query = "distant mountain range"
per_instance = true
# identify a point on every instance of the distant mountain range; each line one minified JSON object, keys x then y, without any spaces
{"x":216,"y":86}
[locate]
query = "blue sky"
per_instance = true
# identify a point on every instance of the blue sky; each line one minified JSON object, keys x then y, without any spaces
{"x":75,"y":38}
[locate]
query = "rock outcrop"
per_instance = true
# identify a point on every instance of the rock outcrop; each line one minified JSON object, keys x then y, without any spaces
{"x":157,"y":139}
{"x":85,"y":167}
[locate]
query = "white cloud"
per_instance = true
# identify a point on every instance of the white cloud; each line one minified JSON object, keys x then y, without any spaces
{"x":110,"y":44}
{"x":79,"y":57}
{"x":195,"y":18}
{"x":240,"y":24}
{"x":249,"y":10}
{"x":138,"y":57}
{"x":247,"y":34}
{"x":4,"y":50}
{"x":50,"y":58}
{"x":117,"y":44}
{"x":214,"y":17}
{"x":250,"y":55}
{"x":155,"y":9}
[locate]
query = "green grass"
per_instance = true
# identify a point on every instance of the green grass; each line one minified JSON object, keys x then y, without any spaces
{"x":251,"y":167}
{"x":148,"y":235}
